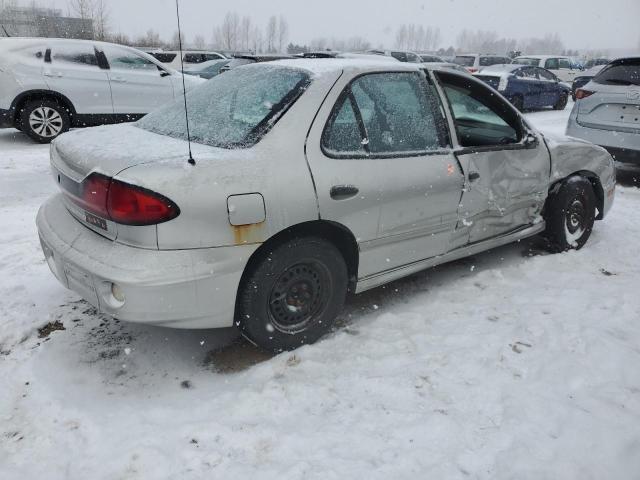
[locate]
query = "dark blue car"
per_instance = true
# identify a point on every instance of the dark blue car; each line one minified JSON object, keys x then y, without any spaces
{"x":527,"y":87}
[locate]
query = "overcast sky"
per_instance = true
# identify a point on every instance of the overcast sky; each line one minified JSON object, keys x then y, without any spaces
{"x":582,"y":24}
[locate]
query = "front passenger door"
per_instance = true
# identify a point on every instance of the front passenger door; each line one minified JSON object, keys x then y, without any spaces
{"x":506,"y":166}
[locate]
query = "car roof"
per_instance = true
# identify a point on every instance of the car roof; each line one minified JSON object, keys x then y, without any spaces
{"x":543,"y":57}
{"x":505,"y":67}
{"x":322,"y":66}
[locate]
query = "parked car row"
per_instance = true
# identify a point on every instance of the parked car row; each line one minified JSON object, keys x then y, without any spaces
{"x":331,"y":176}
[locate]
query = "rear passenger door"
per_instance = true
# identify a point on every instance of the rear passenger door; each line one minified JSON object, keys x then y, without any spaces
{"x":72,"y":69}
{"x":137,"y":85}
{"x":383,"y":168}
{"x":506,"y":166}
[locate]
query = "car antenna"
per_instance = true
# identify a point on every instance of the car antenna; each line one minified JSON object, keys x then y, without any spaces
{"x":184,"y":88}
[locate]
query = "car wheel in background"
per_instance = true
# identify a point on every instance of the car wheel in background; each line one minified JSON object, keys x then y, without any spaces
{"x":570,"y":213}
{"x":562,"y":102}
{"x":44,"y":119}
{"x":293,"y":294}
{"x":518,"y":102}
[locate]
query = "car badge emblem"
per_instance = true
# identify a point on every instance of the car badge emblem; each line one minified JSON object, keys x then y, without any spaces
{"x":633,"y":94}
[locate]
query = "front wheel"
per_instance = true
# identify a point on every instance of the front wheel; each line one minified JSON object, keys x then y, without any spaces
{"x":43,"y":120}
{"x":293,"y":294}
{"x":570,"y":214}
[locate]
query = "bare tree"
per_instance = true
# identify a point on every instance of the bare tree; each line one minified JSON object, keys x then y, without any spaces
{"x":272,"y":33}
{"x":82,"y":8}
{"x":199,"y":42}
{"x":283,"y":33}
{"x":227,"y":35}
{"x":176,"y":40}
{"x":256,"y":43}
{"x":101,"y":17}
{"x":245,"y":33}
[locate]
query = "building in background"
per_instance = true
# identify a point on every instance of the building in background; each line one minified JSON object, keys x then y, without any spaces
{"x":42,"y":22}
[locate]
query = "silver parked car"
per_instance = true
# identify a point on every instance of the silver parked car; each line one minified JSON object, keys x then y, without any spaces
{"x":49,"y":85}
{"x":312,"y":178}
{"x":607,"y":110}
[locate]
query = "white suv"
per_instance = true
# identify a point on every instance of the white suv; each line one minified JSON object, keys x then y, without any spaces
{"x":50,"y":85}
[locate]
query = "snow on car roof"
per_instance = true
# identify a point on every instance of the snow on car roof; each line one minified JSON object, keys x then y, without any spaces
{"x":323,"y":66}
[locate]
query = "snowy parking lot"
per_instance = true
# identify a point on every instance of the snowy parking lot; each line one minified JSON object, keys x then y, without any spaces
{"x":509,"y":364}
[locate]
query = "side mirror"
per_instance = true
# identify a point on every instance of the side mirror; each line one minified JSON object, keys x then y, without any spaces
{"x":164,"y":73}
{"x":530,"y":139}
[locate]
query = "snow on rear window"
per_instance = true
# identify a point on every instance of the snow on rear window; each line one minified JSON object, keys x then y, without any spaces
{"x":234,"y":109}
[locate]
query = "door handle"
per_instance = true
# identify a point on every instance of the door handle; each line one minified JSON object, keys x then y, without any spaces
{"x":473,"y":176}
{"x":119,"y":79}
{"x":343,"y":192}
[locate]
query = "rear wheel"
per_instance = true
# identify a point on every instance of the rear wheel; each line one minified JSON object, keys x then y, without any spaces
{"x":292,"y":296}
{"x":562,"y":102}
{"x":570,"y":214}
{"x":44,"y":119}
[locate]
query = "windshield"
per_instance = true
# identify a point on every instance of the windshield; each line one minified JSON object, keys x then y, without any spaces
{"x":527,"y":61}
{"x":464,"y":61}
{"x":233,"y":110}
{"x":622,"y":72}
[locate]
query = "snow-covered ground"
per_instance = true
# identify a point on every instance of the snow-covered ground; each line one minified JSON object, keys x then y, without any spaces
{"x":511,"y":364}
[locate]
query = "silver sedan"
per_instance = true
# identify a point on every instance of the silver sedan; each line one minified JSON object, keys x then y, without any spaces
{"x":310,"y":179}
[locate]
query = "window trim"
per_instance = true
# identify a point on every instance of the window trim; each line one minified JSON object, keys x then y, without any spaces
{"x":459,"y":149}
{"x":441,"y":127}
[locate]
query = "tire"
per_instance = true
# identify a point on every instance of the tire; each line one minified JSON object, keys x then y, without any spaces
{"x":570,"y":213}
{"x":562,"y":102}
{"x":292,"y":295}
{"x":518,"y":103}
{"x":55,"y":116}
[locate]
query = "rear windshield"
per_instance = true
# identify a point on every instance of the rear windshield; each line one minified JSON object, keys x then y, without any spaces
{"x":488,"y":61}
{"x":464,"y":61}
{"x":527,"y":61}
{"x":238,"y":62}
{"x":233,"y":110}
{"x":621,"y":72}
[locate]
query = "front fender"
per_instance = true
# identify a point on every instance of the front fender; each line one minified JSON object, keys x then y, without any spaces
{"x":570,"y":156}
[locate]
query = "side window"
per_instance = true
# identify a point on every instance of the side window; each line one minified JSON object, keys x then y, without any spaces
{"x":400,"y":56}
{"x":342,"y":135}
{"x":527,"y":73}
{"x":121,"y":59}
{"x":545,"y":75}
{"x":481,"y":118}
{"x":396,"y":114}
{"x":80,"y":54}
{"x":564,"y":63}
{"x":552,"y":64}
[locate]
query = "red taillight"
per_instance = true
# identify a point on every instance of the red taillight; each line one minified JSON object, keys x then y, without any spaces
{"x":123,"y":203}
{"x":472,"y":69}
{"x":133,"y":205}
{"x":580,"y":93}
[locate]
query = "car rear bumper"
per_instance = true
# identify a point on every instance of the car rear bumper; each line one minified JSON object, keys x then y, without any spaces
{"x":623,"y":146}
{"x":6,"y":118}
{"x":176,"y":288}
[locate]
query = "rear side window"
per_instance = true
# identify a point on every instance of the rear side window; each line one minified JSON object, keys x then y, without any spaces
{"x":527,"y":73}
{"x":545,"y":75}
{"x":564,"y":63}
{"x":621,"y":72}
{"x":194,"y":58}
{"x":81,"y":54}
{"x":552,"y":64}
{"x":401,"y":56}
{"x":384,"y":114}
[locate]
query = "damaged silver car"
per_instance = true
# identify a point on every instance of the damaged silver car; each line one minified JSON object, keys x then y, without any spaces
{"x":312,"y":179}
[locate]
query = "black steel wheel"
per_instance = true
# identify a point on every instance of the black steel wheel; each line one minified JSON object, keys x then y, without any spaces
{"x":570,"y":214}
{"x":292,"y":294}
